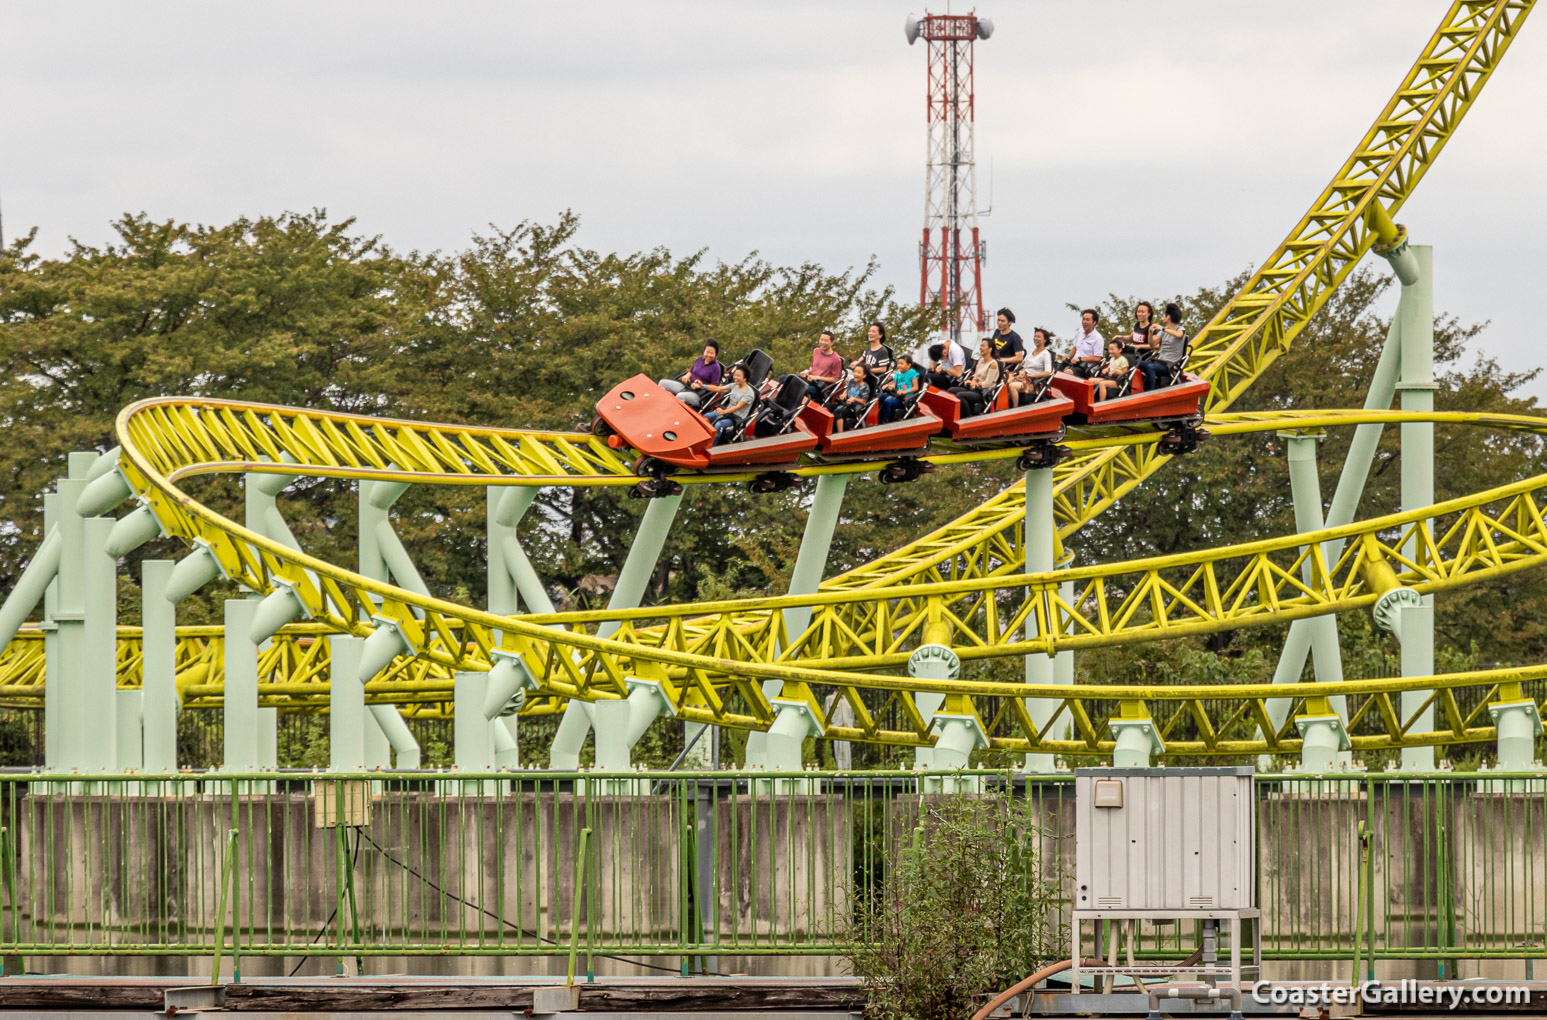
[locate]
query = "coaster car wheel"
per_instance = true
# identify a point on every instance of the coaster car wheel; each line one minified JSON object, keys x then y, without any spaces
{"x":772,"y":481}
{"x":1040,"y":455}
{"x":904,"y":469}
{"x":1184,"y":438}
{"x":655,"y":488}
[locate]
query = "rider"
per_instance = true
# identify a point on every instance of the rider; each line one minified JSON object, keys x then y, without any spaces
{"x":877,"y":356}
{"x":1141,"y":342}
{"x":826,"y":369}
{"x":946,"y":364}
{"x":1009,"y":349}
{"x":903,"y":384}
{"x":1171,"y":345}
{"x":1110,"y":379}
{"x":735,"y":408}
{"x":1086,"y":352}
{"x":1037,"y":366}
{"x":974,"y":393}
{"x":853,"y":399}
{"x":705,"y":372}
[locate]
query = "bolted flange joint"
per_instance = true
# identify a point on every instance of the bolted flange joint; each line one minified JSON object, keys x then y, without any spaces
{"x":1388,"y":608}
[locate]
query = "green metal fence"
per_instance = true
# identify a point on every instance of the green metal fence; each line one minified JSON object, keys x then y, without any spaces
{"x":691,"y":866}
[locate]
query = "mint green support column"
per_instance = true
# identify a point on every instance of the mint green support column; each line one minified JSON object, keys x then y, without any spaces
{"x":815,"y":543}
{"x":97,"y":710}
{"x":1417,"y":390}
{"x":472,"y":734}
{"x":1322,"y":750}
{"x":53,"y":730}
{"x":383,"y":558}
{"x":506,"y":506}
{"x":1356,"y":468}
{"x":346,"y":705}
{"x":633,"y":579}
{"x":67,"y":685}
{"x":1041,"y":538}
{"x":240,"y":701}
{"x":805,"y":578}
{"x":158,"y":623}
{"x":129,"y":732}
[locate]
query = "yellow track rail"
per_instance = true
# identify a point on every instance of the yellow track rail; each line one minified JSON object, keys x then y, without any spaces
{"x":711,"y":658}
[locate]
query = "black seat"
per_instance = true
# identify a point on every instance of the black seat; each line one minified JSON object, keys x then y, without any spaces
{"x":758,"y":366}
{"x":777,"y":413}
{"x":1180,"y":368}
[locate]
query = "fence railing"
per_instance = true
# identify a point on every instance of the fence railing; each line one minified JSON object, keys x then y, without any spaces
{"x":690,"y":865}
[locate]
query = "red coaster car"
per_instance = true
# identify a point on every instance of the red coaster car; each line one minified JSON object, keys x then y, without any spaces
{"x":871,"y":440}
{"x":1181,"y":400}
{"x":1043,"y":419}
{"x":638,"y":414}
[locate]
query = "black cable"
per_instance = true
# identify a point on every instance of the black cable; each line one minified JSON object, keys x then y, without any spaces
{"x":323,"y":930}
{"x":514,"y":927}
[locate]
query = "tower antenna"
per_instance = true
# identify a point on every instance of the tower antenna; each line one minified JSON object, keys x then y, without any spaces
{"x":951,"y":254}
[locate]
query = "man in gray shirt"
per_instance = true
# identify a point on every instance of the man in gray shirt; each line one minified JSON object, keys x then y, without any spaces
{"x":1157,"y":371}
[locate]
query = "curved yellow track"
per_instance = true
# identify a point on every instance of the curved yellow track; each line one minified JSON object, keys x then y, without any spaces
{"x":710,"y":658}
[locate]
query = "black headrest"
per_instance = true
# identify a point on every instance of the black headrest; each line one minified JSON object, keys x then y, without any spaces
{"x":791,"y":392}
{"x":758,"y":366}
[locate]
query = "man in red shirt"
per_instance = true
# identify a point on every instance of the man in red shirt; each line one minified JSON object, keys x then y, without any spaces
{"x":826,"y":366}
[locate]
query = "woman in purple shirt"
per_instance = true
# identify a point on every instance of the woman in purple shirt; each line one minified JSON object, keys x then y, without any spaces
{"x":706,"y":371}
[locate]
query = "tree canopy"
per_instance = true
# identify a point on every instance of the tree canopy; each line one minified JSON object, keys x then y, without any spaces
{"x":526,"y":327}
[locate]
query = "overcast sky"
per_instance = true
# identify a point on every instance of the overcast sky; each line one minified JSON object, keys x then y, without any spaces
{"x":1138,"y":146}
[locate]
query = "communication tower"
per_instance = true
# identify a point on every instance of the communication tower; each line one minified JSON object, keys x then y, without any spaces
{"x":951,"y":254}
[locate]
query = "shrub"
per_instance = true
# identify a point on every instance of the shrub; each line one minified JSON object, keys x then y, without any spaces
{"x":967,"y":909}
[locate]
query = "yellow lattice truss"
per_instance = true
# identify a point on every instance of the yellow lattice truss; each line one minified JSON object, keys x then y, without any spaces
{"x":713,"y":659}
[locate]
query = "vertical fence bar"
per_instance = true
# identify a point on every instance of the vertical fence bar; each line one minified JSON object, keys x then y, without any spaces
{"x":574,"y":910}
{"x":227,"y":871}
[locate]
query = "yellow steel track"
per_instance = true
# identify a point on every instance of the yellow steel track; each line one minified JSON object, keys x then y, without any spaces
{"x":712,"y":658}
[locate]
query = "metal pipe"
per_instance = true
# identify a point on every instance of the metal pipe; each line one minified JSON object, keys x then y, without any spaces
{"x":815,"y":544}
{"x":275,"y":609}
{"x":507,"y":752}
{"x":399,"y":563}
{"x":30,"y":587}
{"x":1417,"y":389}
{"x":53,"y":706}
{"x":1305,"y":490}
{"x":96,"y":729}
{"x":104,"y":490}
{"x":528,"y":585}
{"x":1132,"y":749}
{"x":512,"y":503}
{"x":574,"y":724}
{"x":398,"y":735}
{"x":128,"y":734}
{"x":133,"y":530}
{"x":240,"y":700}
{"x":193,"y":572}
{"x":158,"y":659}
{"x":1041,"y":535}
{"x":346,"y":704}
{"x":472,"y":740}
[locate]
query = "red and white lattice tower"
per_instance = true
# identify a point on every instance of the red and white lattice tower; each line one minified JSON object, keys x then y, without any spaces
{"x":951,"y":254}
